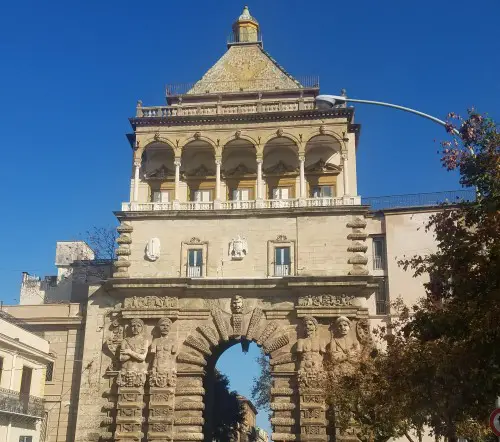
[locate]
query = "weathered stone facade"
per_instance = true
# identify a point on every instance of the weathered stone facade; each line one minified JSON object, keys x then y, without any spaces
{"x":243,"y":225}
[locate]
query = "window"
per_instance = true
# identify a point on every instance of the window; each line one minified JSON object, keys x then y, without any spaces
{"x":202,"y":196}
{"x":195,"y":263}
{"x":49,"y":372}
{"x":241,"y":194}
{"x":382,"y":299}
{"x":282,"y":193}
{"x":281,"y":261}
{"x":26,"y":381}
{"x":162,"y":196}
{"x":25,"y":438}
{"x":322,"y":191}
{"x":379,"y":253}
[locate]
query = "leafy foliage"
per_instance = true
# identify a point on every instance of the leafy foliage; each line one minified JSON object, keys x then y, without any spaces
{"x":440,"y":368}
{"x":261,"y":387}
{"x":228,"y":411}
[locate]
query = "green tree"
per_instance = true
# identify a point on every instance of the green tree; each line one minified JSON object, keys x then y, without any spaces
{"x":261,"y":386}
{"x":227,"y":412}
{"x":440,"y":367}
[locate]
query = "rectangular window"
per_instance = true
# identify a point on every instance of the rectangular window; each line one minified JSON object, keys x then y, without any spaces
{"x":195,"y":263}
{"x":241,"y":194}
{"x":281,"y":193}
{"x":322,"y":192}
{"x":382,"y":299}
{"x":379,"y":253}
{"x":202,"y":196}
{"x":26,"y":381}
{"x":25,"y":438}
{"x":49,"y":372}
{"x":281,"y":261}
{"x":161,"y":196}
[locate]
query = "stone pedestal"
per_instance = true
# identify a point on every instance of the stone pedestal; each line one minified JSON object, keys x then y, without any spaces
{"x":161,"y":414}
{"x":129,"y":418}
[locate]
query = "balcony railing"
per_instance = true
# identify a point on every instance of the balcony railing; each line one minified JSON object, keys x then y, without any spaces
{"x":23,"y":404}
{"x":419,"y":199}
{"x":378,"y":263}
{"x":194,"y":272}
{"x":281,"y":270}
{"x":251,"y":107}
{"x":242,"y":205}
{"x":258,"y":84}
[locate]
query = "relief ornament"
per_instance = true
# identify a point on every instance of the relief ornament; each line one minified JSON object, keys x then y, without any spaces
{"x":133,"y":352}
{"x":163,"y":372}
{"x":153,"y":249}
{"x":311,"y":350}
{"x":238,"y":248}
{"x":343,"y":347}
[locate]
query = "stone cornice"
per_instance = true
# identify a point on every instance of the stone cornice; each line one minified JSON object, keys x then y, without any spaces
{"x":186,"y":120}
{"x":290,"y":282}
{"x":238,"y":213}
{"x":28,"y":350}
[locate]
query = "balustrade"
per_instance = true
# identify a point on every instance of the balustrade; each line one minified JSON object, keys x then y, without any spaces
{"x":242,"y":205}
{"x":18,"y":403}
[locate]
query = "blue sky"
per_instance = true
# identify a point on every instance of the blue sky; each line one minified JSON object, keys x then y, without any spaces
{"x":71,"y":73}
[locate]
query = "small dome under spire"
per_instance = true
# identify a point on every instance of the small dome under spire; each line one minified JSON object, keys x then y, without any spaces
{"x":245,"y":16}
{"x":246,"y":28}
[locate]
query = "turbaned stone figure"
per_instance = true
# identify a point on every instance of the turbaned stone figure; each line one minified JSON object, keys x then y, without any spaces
{"x":133,"y":352}
{"x":344,"y":347}
{"x":163,"y":372}
{"x":311,"y":350}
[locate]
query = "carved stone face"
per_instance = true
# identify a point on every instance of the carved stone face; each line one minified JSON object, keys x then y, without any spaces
{"x":310,"y":327}
{"x":136,"y":328}
{"x":164,"y":327}
{"x":343,"y":327}
{"x":237,"y":304}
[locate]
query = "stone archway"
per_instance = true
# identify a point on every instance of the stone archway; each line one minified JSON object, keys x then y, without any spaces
{"x":174,"y":342}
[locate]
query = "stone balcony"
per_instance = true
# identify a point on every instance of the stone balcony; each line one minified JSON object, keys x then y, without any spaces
{"x":242,"y":205}
{"x":13,"y":402}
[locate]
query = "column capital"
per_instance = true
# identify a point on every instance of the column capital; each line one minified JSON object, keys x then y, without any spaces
{"x":344,"y":154}
{"x":177,"y":162}
{"x":137,"y":163}
{"x":302,"y":157}
{"x":259,"y":160}
{"x":218,"y":161}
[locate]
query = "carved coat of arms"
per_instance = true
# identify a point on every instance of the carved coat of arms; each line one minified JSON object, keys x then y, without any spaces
{"x":238,"y":248}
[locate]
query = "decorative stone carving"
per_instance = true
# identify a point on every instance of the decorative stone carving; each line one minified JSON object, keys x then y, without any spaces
{"x":279,"y":132}
{"x":198,"y":344}
{"x":281,"y":238}
{"x":133,"y":351}
{"x":163,"y":373}
{"x":238,"y":248}
{"x":189,"y":358}
{"x":220,"y":324}
{"x":210,"y":334}
{"x":343,"y":347}
{"x":357,"y":223}
{"x":153,"y":249}
{"x":358,"y":259}
{"x":322,"y":130}
{"x":276,"y":343}
{"x":253,"y":326}
{"x":325,"y":300}
{"x":283,"y":359}
{"x":271,"y":327}
{"x":357,"y":247}
{"x":237,"y":134}
{"x":311,"y":349}
{"x":113,"y":342}
{"x":197,"y":135}
{"x":151,"y":302}
{"x":194,"y":240}
{"x":237,"y":315}
{"x":363,"y":333}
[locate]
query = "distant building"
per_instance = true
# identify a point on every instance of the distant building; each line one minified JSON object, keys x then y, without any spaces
{"x":25,"y":366}
{"x":249,"y":431}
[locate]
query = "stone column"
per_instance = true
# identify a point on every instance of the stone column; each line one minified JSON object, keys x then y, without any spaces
{"x":217,"y":179}
{"x":137,"y":166}
{"x":345,"y":172}
{"x":177,"y":163}
{"x":302,"y":177}
{"x":259,"y":178}
{"x":312,"y":379}
{"x":130,"y":381}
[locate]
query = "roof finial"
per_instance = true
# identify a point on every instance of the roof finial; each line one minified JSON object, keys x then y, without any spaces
{"x":246,"y":28}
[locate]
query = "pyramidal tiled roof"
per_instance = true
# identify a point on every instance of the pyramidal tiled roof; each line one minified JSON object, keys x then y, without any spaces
{"x":245,"y":68}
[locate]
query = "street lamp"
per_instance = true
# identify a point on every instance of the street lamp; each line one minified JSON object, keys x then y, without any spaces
{"x":329,"y":101}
